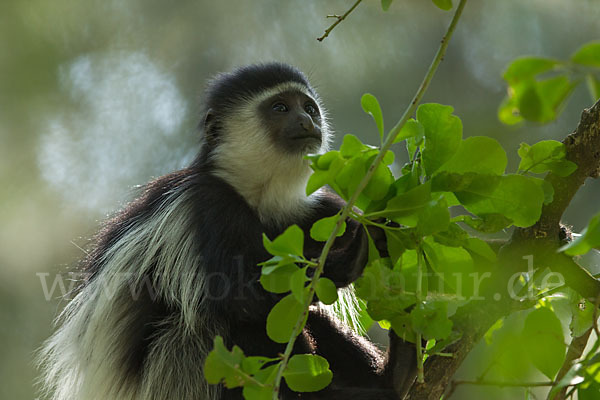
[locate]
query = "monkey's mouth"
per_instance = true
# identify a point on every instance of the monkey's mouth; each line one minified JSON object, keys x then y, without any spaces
{"x":307,"y":143}
{"x":308,"y":137}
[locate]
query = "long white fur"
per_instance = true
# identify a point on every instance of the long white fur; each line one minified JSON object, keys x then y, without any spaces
{"x":84,"y":359}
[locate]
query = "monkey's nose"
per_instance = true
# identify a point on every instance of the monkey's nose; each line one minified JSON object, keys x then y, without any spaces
{"x":306,"y":123}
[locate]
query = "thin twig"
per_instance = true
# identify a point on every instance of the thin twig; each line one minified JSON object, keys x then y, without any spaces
{"x":595,"y":316}
{"x":338,"y":20}
{"x":419,"y":296}
{"x":362,"y":184}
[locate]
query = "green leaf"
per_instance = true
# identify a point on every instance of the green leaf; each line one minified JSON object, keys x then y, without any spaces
{"x":322,"y":228}
{"x":371,"y":106}
{"x":480,"y":154}
{"x":350,"y":175}
{"x":454,"y":236}
{"x":255,"y":392}
{"x":385,"y":4}
{"x":253,"y":364}
{"x":548,"y":190}
{"x":508,"y":112}
{"x":453,"y":265}
{"x":488,"y":223}
{"x":470,"y":183}
{"x":317,"y":180}
{"x":588,"y":393}
{"x":325,"y":161}
{"x":266,"y":376}
{"x":402,"y":326}
{"x":526,"y":68}
{"x":589,"y":239}
{"x":278,"y":281}
{"x":583,"y":318}
{"x":434,"y":217}
{"x":388,"y":158}
{"x":298,"y":283}
{"x":325,"y":167}
{"x":538,"y":101}
{"x":431,"y":320}
{"x":405,"y":207}
{"x":408,"y":267}
{"x":443,"y":4}
{"x":531,"y":104}
{"x":326,"y":291}
{"x":396,"y":243}
{"x":282,"y":319}
{"x":544,"y":156}
{"x":307,"y":373}
{"x":383,"y":289}
{"x":439,"y":345}
{"x":544,"y":341}
{"x":222,"y":365}
{"x":277,"y":262}
{"x":290,"y":242}
{"x":588,"y":54}
{"x":443,"y":134}
{"x":554,"y":92}
{"x":380,"y":183}
{"x":516,"y":197}
{"x":490,"y":332}
{"x":476,"y":246}
{"x":593,"y":85}
{"x":413,"y":142}
{"x":351,"y":146}
{"x":373,"y":251}
{"x":411,"y":129}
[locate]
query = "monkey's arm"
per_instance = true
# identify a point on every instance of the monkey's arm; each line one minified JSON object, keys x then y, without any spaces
{"x":348,"y":255}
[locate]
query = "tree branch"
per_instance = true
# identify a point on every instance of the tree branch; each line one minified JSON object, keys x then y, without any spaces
{"x":574,"y":353}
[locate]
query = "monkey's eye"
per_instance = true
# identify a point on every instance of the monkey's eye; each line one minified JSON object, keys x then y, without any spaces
{"x":309,"y":108}
{"x":279,"y":107}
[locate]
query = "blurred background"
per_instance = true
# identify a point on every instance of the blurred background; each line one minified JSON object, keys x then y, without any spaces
{"x":97,"y":97}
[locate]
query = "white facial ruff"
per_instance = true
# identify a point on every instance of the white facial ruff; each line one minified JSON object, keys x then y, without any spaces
{"x":273,"y":182}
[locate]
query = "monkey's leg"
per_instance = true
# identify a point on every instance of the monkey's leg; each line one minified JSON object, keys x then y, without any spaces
{"x":401,"y":369}
{"x":358,"y":366}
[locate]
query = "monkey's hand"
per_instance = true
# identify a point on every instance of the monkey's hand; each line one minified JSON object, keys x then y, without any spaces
{"x":378,"y":236}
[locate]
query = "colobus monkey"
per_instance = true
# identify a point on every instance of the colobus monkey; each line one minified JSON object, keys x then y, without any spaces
{"x":178,"y":265}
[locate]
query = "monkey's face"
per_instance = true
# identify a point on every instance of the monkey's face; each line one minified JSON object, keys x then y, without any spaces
{"x":293,"y":121}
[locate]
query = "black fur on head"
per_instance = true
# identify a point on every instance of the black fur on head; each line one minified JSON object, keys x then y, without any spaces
{"x":227,"y":89}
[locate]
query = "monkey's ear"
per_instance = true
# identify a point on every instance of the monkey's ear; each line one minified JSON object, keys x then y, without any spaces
{"x":208,"y":117}
{"x":210,"y":131}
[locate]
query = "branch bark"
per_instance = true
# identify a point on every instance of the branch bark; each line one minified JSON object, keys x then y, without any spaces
{"x":574,"y":353}
{"x":542,"y":240}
